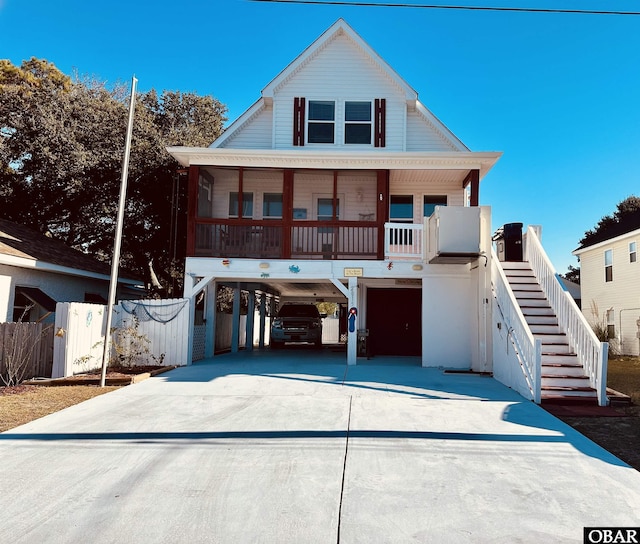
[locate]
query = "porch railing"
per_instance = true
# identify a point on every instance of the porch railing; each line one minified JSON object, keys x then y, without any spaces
{"x":528,"y":348}
{"x":404,"y":240}
{"x":270,"y":239}
{"x":590,"y":351}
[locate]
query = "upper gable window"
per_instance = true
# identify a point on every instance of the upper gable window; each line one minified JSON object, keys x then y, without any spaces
{"x":322,"y":121}
{"x":357,"y":123}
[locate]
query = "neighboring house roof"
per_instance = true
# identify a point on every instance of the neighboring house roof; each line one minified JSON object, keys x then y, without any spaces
{"x":614,"y":237}
{"x":572,"y":287}
{"x":27,"y":248}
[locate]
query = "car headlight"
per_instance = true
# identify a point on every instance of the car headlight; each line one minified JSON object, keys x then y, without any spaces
{"x":277,"y":324}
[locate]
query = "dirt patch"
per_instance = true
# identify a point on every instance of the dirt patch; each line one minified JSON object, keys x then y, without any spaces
{"x":619,"y":435}
{"x":23,"y":403}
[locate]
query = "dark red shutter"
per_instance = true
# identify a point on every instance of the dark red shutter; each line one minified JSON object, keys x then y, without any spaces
{"x":380,"y":122}
{"x":298,"y":121}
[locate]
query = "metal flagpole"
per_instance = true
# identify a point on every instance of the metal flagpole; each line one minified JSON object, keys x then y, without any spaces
{"x":113,"y":285}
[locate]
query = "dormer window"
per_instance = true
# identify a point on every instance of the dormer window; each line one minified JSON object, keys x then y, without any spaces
{"x":321,"y":125}
{"x":357,"y":123}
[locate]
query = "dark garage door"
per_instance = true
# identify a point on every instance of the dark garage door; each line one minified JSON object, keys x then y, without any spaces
{"x":394,"y":320}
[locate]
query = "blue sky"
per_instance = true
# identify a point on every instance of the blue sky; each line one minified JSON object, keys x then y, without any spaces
{"x":558,"y":94}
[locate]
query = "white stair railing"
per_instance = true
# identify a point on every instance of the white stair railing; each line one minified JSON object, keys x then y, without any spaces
{"x":592,"y":353}
{"x":529,"y":349}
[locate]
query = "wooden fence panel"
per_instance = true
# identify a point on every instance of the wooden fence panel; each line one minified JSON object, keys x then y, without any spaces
{"x":34,"y":341}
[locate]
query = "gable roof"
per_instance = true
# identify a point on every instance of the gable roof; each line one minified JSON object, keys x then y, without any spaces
{"x":613,"y":237}
{"x":25,"y":247}
{"x":339,"y":28}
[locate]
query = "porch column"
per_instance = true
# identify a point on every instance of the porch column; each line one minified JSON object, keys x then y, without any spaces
{"x":251,"y":314}
{"x":263,"y":315}
{"x":235,"y":331}
{"x":210,"y":319}
{"x":352,"y":340}
{"x":192,"y":208}
{"x":382,"y":209}
{"x":287,"y":212}
{"x":473,"y":179}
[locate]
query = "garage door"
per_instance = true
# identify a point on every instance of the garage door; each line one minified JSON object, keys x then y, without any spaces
{"x":394,"y":320}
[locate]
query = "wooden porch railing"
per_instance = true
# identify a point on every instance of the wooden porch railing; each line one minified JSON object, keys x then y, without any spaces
{"x":272,"y":239}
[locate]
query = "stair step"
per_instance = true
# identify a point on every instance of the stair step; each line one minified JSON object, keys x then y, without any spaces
{"x":537,"y":328}
{"x":558,"y":348}
{"x":554,"y":391}
{"x":515,"y":265}
{"x":561,"y":359}
{"x":526,"y":287}
{"x":570,"y":382}
{"x":550,"y":338}
{"x":562,"y":371}
{"x":527,"y":296}
{"x":537,"y":310}
{"x":550,"y":320}
{"x":519,"y":280}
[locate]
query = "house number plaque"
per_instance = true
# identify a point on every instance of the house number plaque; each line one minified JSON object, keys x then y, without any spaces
{"x":353,"y":272}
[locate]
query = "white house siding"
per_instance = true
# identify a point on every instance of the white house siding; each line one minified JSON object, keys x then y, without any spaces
{"x":413,"y":182}
{"x":423,"y":137}
{"x":60,"y":287}
{"x":256,"y":133}
{"x":340,"y":71}
{"x":622,"y":294}
{"x":449,"y":320}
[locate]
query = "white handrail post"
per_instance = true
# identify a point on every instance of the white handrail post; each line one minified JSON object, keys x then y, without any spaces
{"x":603,"y":400}
{"x":538,"y":371}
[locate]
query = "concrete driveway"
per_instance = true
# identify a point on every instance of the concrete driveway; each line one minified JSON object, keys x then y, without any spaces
{"x":293,"y":447}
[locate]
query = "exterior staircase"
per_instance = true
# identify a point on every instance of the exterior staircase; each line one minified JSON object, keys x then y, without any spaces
{"x":563,"y":377}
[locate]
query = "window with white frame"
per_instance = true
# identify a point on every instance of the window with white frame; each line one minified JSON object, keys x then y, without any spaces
{"x":608,"y":265}
{"x":632,"y":252}
{"x":321,"y":122}
{"x":611,"y":327}
{"x":357,"y":122}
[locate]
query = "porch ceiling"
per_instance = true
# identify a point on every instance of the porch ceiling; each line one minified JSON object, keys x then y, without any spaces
{"x":298,"y":290}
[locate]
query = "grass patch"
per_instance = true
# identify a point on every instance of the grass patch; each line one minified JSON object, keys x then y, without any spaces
{"x":25,"y":403}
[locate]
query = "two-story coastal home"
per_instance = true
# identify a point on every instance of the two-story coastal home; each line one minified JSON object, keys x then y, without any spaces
{"x":610,"y":286}
{"x":338,"y":184}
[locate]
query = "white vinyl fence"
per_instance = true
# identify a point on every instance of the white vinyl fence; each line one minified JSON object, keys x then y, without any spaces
{"x":145,"y":332}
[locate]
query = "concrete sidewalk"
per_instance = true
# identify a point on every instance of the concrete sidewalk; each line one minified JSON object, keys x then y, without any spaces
{"x":294,"y":447}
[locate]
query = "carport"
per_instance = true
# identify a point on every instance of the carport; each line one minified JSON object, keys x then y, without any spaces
{"x":266,"y":295}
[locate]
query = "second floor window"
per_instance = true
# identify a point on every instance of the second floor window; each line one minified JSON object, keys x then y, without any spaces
{"x":321,"y":124}
{"x":632,"y":252}
{"x":357,"y":122}
{"x":608,"y":265}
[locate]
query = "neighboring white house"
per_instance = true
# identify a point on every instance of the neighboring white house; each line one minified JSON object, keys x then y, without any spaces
{"x":37,"y":271}
{"x":339,"y":185}
{"x":610,"y":285}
